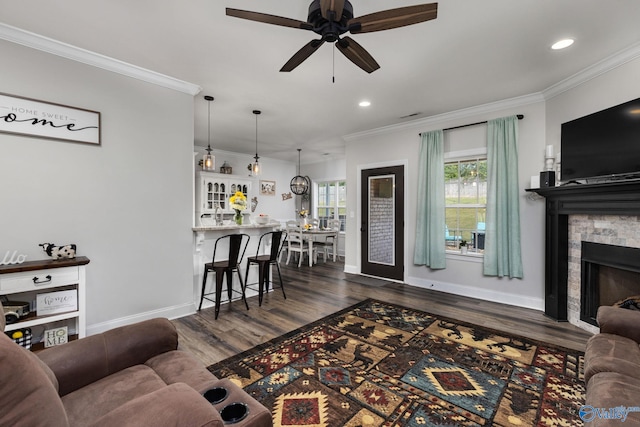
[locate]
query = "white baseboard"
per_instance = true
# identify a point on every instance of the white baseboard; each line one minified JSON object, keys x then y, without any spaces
{"x":168,"y":312}
{"x":351,"y":269}
{"x":482,"y":294}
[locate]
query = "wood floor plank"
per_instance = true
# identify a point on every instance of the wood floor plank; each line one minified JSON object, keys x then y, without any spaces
{"x":318,"y":291}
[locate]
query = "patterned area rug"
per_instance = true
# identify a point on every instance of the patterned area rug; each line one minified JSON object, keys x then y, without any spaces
{"x":378,"y":364}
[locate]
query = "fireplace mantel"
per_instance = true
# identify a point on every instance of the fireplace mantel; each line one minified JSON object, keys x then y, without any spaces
{"x":611,"y":198}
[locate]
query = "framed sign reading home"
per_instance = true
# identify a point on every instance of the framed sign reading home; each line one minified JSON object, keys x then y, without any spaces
{"x":40,"y":119}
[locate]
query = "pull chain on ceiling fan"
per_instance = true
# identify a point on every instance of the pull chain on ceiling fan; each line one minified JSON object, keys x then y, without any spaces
{"x":330,"y":19}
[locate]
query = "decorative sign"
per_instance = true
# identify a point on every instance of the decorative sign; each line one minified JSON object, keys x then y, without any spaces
{"x":40,"y":119}
{"x":56,"y":336}
{"x":286,"y":196}
{"x":56,"y":302}
{"x":10,"y":259}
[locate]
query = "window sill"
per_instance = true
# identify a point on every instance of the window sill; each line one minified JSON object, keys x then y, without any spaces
{"x":469,"y":256}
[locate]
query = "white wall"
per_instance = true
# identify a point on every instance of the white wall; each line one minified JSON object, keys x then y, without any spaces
{"x":127,"y":204}
{"x":606,"y":90}
{"x":462,"y":275}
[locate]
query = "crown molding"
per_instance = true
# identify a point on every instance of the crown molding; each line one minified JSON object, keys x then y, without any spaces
{"x":430,"y":122}
{"x":74,"y":53}
{"x":616,"y":60}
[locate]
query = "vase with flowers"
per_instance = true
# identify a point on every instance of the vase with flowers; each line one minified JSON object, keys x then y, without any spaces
{"x":303,"y":213}
{"x":238,"y":203}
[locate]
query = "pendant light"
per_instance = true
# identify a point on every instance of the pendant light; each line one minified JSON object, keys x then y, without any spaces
{"x":208,"y":162}
{"x":255,"y":167}
{"x":300,"y":184}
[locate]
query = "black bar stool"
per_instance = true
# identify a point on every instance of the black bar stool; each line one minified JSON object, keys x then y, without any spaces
{"x":276,"y":239}
{"x":237,"y":245}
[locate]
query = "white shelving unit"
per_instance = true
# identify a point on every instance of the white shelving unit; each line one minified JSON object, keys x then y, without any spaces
{"x":23,"y":282}
{"x":214,"y":188}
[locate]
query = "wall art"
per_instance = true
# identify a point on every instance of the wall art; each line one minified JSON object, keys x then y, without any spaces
{"x":41,"y":119}
{"x":267,"y":188}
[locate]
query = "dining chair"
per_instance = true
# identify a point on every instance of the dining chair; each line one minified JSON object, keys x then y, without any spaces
{"x":233,"y":247}
{"x":334,"y":225}
{"x":270,"y":245}
{"x":296,"y":242}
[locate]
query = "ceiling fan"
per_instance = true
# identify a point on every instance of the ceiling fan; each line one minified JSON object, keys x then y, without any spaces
{"x":332,"y":18}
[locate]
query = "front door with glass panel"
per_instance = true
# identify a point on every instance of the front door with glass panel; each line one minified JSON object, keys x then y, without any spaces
{"x":382,"y":228}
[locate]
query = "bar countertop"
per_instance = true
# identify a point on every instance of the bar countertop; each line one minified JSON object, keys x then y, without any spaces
{"x":235,"y":227}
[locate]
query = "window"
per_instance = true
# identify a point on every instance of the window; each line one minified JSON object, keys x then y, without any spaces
{"x":465,"y":183}
{"x":331,"y":202}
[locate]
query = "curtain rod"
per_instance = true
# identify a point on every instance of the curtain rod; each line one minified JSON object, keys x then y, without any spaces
{"x":519,"y":116}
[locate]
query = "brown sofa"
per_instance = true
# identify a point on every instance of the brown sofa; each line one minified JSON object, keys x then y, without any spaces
{"x":612,"y":369}
{"x":129,"y":376}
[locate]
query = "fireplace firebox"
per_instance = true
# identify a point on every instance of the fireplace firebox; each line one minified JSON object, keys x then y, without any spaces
{"x":609,"y":274}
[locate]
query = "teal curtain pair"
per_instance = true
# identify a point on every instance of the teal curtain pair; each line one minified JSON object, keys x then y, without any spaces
{"x":429,"y":248}
{"x":502,"y":254}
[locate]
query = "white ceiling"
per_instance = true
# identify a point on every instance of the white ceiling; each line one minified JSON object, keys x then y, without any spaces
{"x":475,"y":52}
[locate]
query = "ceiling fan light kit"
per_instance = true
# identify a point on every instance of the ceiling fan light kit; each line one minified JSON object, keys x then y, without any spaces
{"x":330,"y":19}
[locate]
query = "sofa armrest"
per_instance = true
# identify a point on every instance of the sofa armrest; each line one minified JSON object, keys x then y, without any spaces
{"x":175,"y":405}
{"x":84,"y":361}
{"x":619,"y":321}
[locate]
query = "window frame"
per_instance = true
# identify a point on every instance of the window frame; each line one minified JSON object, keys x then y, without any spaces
{"x":462,"y":156}
{"x":337,"y":207}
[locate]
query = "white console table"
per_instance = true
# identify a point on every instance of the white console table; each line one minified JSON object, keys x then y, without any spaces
{"x":23,"y":282}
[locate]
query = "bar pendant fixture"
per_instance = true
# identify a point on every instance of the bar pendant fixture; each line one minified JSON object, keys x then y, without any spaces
{"x":208,"y":162}
{"x":256,"y":169}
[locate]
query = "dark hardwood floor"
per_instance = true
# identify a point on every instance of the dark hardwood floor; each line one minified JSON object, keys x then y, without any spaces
{"x":318,"y":291}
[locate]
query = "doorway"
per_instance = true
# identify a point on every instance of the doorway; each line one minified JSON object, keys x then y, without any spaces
{"x":382,"y":227}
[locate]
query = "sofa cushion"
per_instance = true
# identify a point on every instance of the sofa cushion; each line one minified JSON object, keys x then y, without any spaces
{"x":619,"y":321}
{"x":611,"y":353}
{"x":24,"y":386}
{"x":181,"y":367}
{"x":177,"y":405}
{"x":86,"y":405}
{"x":608,"y":390}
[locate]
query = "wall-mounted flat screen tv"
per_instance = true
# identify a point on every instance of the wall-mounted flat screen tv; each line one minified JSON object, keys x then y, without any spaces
{"x":605,"y":144}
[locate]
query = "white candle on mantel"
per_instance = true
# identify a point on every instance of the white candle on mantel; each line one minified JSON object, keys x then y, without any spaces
{"x":549,"y":151}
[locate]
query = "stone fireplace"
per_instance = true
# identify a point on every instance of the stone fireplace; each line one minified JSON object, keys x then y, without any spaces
{"x":604,"y":264}
{"x":604,"y":213}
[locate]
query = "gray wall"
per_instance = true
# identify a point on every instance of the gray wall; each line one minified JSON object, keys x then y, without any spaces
{"x":127,"y":204}
{"x":462,"y":275}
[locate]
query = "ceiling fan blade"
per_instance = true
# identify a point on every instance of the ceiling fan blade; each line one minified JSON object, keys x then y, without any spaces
{"x":300,"y":56}
{"x":357,"y":54}
{"x":336,"y":6}
{"x":393,"y":18}
{"x":268,"y":19}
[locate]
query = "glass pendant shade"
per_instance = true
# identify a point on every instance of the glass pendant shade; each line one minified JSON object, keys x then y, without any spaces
{"x":208,"y":160}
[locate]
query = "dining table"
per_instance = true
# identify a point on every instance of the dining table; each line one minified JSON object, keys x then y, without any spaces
{"x":312,"y":233}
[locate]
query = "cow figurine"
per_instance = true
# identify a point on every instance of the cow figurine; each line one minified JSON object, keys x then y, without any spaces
{"x":59,"y":252}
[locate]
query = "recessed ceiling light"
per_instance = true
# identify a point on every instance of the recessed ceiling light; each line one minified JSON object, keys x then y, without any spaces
{"x":561,"y":44}
{"x":364,"y":103}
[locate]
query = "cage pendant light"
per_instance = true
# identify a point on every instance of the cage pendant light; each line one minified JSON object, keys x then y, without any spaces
{"x":299,"y":184}
{"x":208,"y":161}
{"x":256,"y":169}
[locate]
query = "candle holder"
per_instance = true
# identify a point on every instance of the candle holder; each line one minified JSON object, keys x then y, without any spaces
{"x":549,"y":163}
